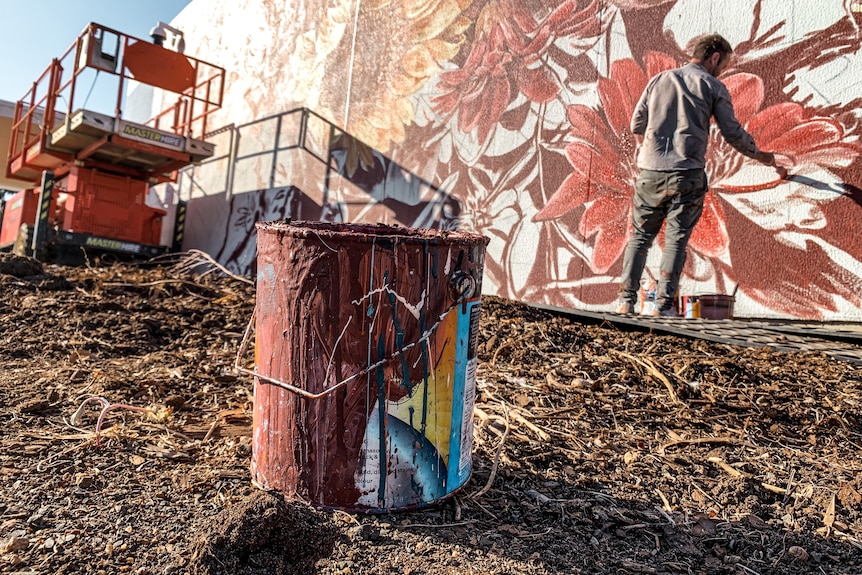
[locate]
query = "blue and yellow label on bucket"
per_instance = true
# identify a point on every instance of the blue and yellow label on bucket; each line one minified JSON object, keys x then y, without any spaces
{"x":425,"y":451}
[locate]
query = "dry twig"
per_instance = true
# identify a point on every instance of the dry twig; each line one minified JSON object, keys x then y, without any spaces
{"x":652,"y":370}
{"x":499,"y":451}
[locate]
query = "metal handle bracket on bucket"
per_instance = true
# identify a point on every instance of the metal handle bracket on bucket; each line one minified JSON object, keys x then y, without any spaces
{"x":307,"y":394}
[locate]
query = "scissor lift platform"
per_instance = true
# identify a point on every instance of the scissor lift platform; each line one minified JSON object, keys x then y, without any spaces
{"x":102,"y":137}
{"x":112,"y":142}
{"x":52,"y":131}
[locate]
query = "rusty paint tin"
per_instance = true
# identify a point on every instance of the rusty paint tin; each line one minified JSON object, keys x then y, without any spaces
{"x":365,"y":345}
{"x":716,"y":306}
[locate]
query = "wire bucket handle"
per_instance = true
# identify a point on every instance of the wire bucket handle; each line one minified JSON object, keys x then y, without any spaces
{"x":307,"y":394}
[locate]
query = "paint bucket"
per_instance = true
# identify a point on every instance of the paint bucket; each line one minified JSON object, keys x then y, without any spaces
{"x":649,"y":292}
{"x":716,"y":306}
{"x":689,"y":306}
{"x":365,"y":344}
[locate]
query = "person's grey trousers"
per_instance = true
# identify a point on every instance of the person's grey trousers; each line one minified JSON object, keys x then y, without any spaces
{"x":676,"y":197}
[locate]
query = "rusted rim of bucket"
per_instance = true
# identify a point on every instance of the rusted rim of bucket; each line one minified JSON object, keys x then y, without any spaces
{"x":714,"y":297}
{"x":368,"y":232}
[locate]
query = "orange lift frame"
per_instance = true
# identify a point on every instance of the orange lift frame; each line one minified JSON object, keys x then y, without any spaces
{"x":199,"y":87}
{"x":53,"y":136}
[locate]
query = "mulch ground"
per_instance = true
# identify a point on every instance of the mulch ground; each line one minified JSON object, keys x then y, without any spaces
{"x":596,"y":450}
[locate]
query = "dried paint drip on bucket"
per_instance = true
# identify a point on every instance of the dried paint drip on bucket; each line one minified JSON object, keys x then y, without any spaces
{"x":373,"y":330}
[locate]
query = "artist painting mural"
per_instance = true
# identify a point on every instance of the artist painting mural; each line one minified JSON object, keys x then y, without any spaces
{"x":517,"y":114}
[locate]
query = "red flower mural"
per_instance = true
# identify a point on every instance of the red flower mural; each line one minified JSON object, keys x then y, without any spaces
{"x":603,"y":150}
{"x":506,"y":59}
{"x":518,"y":113}
{"x":602,"y":155}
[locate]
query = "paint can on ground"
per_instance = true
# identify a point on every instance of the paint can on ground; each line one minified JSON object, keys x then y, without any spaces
{"x":365,"y":345}
{"x":649,"y":291}
{"x":716,"y":306}
{"x":689,"y":306}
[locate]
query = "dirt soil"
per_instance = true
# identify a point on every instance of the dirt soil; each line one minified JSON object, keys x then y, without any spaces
{"x":597,"y":450}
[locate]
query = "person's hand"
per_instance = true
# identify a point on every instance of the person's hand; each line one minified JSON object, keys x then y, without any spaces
{"x":767,"y":158}
{"x":783,"y":164}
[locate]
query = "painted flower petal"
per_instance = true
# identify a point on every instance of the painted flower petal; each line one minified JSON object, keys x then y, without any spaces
{"x":656,"y":62}
{"x":604,"y":211}
{"x":620,"y":93}
{"x":790,"y":130}
{"x":610,"y":243}
{"x":774,"y":121}
{"x":709,"y":236}
{"x":585,"y":122}
{"x":418,"y":62}
{"x":747,"y":93}
{"x":809,"y":136}
{"x":574,"y":191}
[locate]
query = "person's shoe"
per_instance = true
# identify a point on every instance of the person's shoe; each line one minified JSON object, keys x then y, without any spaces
{"x":625,"y":307}
{"x":669,"y":312}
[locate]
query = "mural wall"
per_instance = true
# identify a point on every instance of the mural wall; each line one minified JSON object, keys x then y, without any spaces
{"x":511,"y":118}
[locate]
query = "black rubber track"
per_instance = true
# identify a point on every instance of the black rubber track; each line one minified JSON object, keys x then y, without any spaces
{"x":841,"y":341}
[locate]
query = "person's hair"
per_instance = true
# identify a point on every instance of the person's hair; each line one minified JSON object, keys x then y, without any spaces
{"x":708,"y":45}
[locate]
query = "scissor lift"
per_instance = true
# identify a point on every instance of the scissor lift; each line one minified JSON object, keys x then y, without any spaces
{"x":90,"y":170}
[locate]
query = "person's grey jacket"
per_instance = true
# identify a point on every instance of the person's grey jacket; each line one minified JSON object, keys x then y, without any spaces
{"x":673,"y":116}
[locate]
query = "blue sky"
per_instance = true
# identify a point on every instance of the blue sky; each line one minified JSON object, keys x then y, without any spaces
{"x":32,"y":32}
